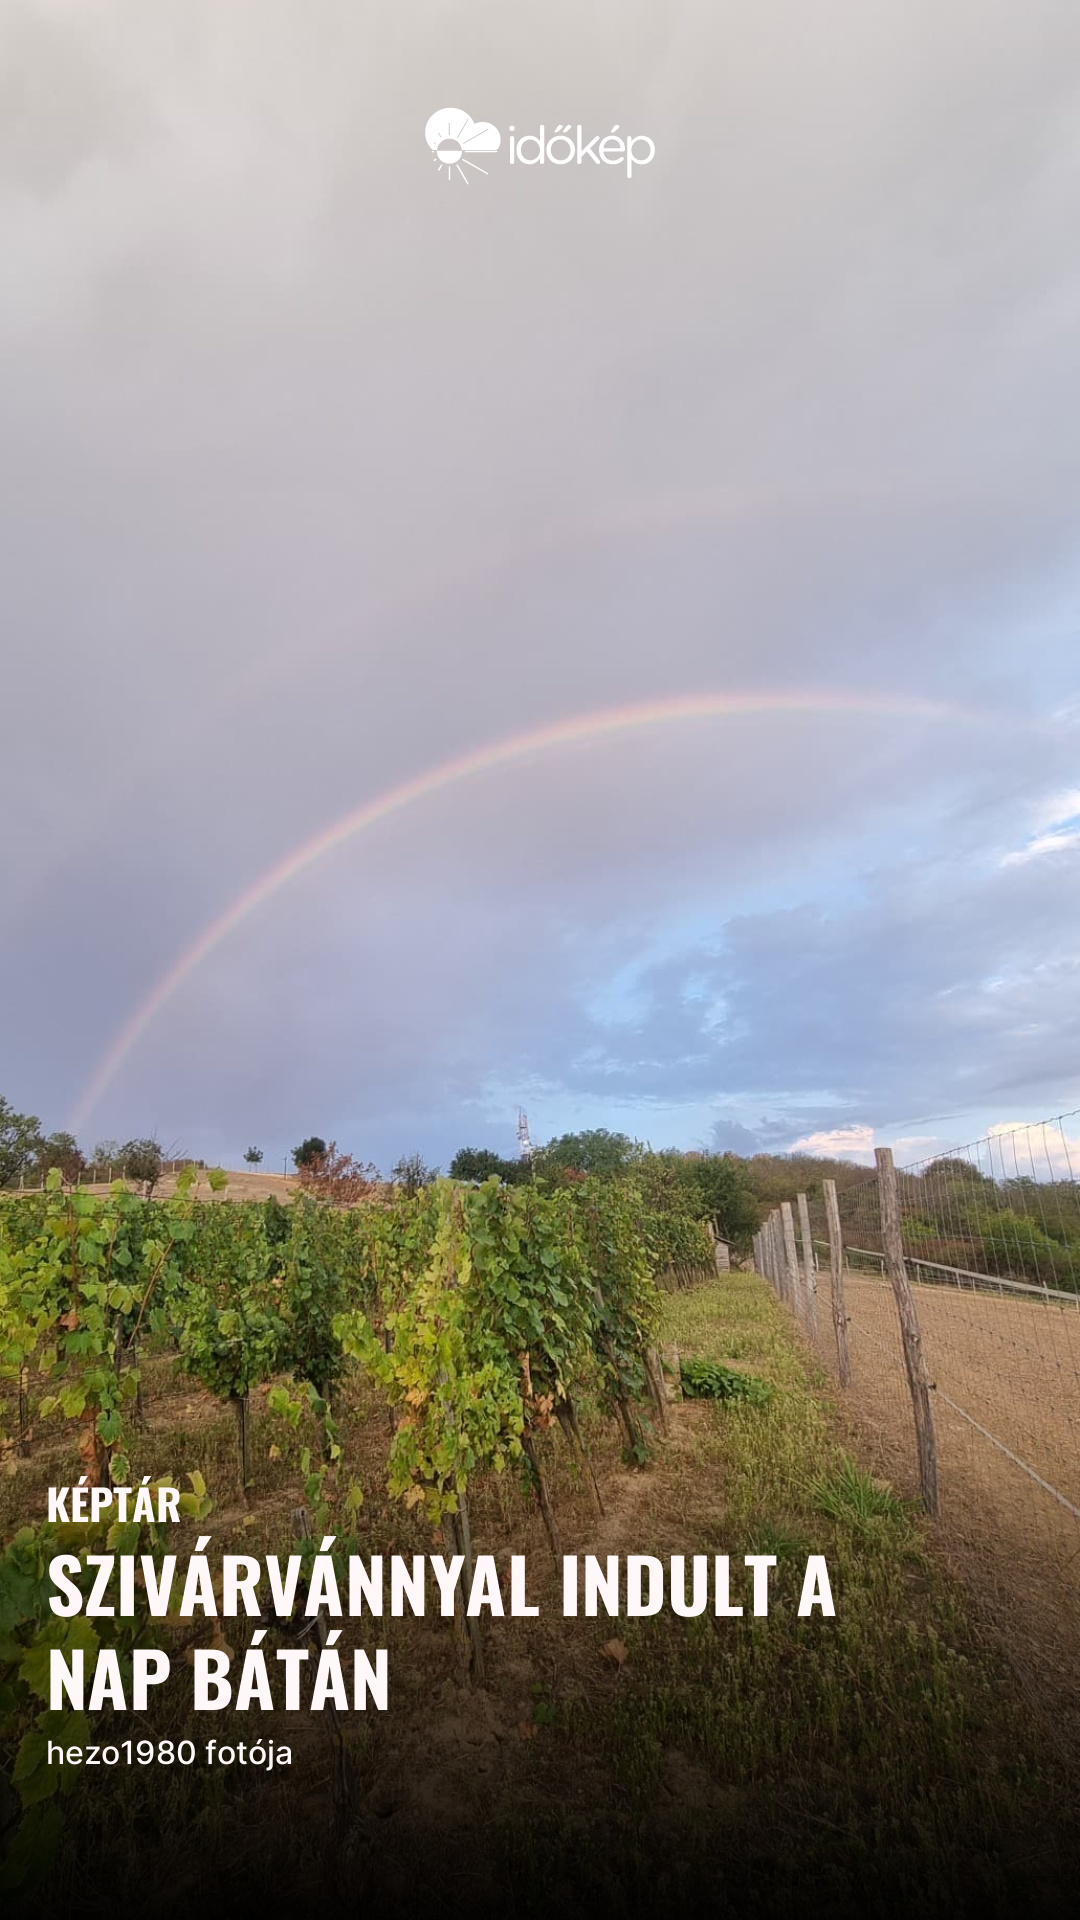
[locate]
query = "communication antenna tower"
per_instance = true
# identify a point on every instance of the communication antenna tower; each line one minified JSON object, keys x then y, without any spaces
{"x":525,"y":1145}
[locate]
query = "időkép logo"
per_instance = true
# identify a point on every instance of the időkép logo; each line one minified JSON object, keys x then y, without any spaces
{"x":454,"y":138}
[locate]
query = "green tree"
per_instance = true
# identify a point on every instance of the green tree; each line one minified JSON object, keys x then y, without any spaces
{"x":724,"y":1195}
{"x":1012,"y":1243}
{"x":20,"y":1142}
{"x":773,"y":1177}
{"x":412,"y":1173}
{"x":596,"y":1151}
{"x":951,"y":1167}
{"x":309,"y":1152}
{"x":253,"y":1156}
{"x":704,"y":1186}
{"x":479,"y":1163}
{"x":142,"y":1161}
{"x":61,"y":1150}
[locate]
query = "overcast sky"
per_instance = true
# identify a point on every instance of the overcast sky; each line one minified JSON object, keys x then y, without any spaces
{"x":323,"y":466}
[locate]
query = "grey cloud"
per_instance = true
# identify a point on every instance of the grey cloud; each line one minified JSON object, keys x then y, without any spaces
{"x":915,"y":997}
{"x":316,"y":478}
{"x":63,"y":106}
{"x":730,"y":1136}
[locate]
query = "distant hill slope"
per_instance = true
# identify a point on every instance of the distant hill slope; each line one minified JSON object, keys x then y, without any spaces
{"x":242,"y":1186}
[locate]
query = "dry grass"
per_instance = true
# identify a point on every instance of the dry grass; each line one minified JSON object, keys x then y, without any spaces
{"x":247,"y":1185}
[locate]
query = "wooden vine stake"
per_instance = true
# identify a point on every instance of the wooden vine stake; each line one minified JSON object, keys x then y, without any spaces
{"x":391,"y":1415}
{"x":476,"y":1637}
{"x":240,"y":1409}
{"x":119,"y":1350}
{"x":836,"y":1281}
{"x":566,"y":1415}
{"x":139,"y":1416}
{"x":654,"y":1379}
{"x":632,"y":1432}
{"x":467,"y":1633}
{"x":551,"y":1525}
{"x":914,"y":1359}
{"x":344,"y":1804}
{"x":452,"y":1543}
{"x":635,"y":1439}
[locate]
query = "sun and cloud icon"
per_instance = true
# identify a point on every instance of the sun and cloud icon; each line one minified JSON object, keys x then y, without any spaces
{"x":454,"y":137}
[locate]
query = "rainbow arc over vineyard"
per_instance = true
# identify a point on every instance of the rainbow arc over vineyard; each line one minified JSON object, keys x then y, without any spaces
{"x":580,"y":729}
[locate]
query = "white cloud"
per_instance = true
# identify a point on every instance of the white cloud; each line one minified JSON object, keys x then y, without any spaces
{"x":1039,"y":1148}
{"x":1057,"y":842}
{"x":1057,"y":809}
{"x":1055,"y":828}
{"x":911,"y":1148}
{"x":839,"y":1143}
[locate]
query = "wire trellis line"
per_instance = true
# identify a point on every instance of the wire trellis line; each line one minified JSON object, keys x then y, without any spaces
{"x":955,"y":1288}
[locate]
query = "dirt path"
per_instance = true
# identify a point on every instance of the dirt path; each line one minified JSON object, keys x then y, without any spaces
{"x":1012,"y":1366}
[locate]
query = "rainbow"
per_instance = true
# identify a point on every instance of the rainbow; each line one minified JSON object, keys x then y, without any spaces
{"x":582,"y":728}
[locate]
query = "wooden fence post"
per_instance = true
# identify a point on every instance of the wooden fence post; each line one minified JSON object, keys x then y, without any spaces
{"x":808,"y":1265}
{"x":721,"y":1259}
{"x":791,"y":1255}
{"x":914,"y":1359}
{"x":776,"y":1261}
{"x":836,"y":1280}
{"x":783,"y":1272}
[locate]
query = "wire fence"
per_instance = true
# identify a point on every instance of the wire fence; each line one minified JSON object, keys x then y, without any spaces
{"x":944,"y":1299}
{"x":102,"y":1173}
{"x":88,"y":1174}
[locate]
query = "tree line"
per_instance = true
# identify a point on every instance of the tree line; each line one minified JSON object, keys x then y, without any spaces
{"x":28,"y":1154}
